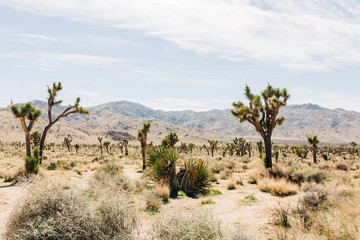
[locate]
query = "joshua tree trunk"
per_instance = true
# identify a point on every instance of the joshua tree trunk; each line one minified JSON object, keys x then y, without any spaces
{"x":172,"y":179}
{"x":42,"y":142}
{"x":314,"y":156}
{"x":143,"y":148}
{"x":28,"y":147}
{"x":268,"y":152}
{"x":126,"y":151}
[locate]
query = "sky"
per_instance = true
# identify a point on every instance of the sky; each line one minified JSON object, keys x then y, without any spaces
{"x":177,"y":55}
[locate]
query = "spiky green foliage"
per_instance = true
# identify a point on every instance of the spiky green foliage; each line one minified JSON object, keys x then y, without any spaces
{"x":52,"y":101}
{"x":170,"y":140}
{"x":26,"y":113}
{"x":354,"y":145}
{"x":32,"y":163}
{"x":159,"y":158}
{"x":196,"y":178}
{"x":262,"y":113}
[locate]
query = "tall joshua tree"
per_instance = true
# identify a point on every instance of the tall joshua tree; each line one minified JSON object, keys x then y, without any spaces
{"x":126,"y":143}
{"x":213,"y":146}
{"x":73,"y":109}
{"x":262,"y":114}
{"x":142,"y":137}
{"x":26,"y":112}
{"x":354,"y":145}
{"x":106,"y":145}
{"x":313,"y":141}
{"x":170,"y":140}
{"x":67,"y":142}
{"x":101,"y":144}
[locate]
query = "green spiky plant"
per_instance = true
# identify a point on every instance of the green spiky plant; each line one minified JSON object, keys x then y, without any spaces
{"x":26,"y":113}
{"x":170,"y":140}
{"x":126,"y":144}
{"x":260,"y":147}
{"x":142,"y":138}
{"x":262,"y":114}
{"x":314,"y":141}
{"x":76,"y":146}
{"x":106,"y":145}
{"x":67,"y":142}
{"x":32,"y":163}
{"x":196,"y":178}
{"x":72,"y":109}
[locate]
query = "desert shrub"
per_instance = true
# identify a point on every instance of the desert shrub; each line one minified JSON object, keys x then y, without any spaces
{"x":187,"y":225}
{"x":316,"y":176}
{"x":52,"y":166}
{"x":152,"y":201}
{"x":278,"y":186}
{"x":342,"y":166}
{"x":231,"y":185}
{"x":57,"y":212}
{"x":255,"y":176}
{"x":163,"y":191}
{"x":110,"y":175}
{"x":281,"y":216}
{"x":226,"y":174}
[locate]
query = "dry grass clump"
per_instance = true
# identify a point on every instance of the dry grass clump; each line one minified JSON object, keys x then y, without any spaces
{"x":277,"y":186}
{"x":342,"y":166}
{"x":255,"y":175}
{"x":153,"y":201}
{"x":163,"y":191}
{"x":187,"y":225}
{"x":110,"y":175}
{"x":58,"y":212}
{"x":231,"y":185}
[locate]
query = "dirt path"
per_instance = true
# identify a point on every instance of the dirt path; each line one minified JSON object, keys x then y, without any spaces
{"x":9,"y":194}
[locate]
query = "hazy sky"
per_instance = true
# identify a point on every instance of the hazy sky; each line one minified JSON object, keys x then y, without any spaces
{"x":187,"y":54}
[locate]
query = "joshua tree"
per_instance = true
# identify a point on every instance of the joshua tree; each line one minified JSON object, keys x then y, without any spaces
{"x":121,"y":146}
{"x":35,"y":138}
{"x":170,"y":140}
{"x":260,"y":147}
{"x":101,"y":145}
{"x":126,"y":143}
{"x":52,"y":102}
{"x":106,"y":145}
{"x":76,"y":146}
{"x":183,"y":147}
{"x":239,"y":145}
{"x":314,"y":141}
{"x":142,"y":137}
{"x":206,"y":148}
{"x":213,"y":145}
{"x":248,"y":148}
{"x":67,"y":142}
{"x":261,"y":113}
{"x":191,"y":146}
{"x":354,"y":145}
{"x":26,"y":112}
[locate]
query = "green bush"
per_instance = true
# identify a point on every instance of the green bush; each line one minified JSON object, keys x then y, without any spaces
{"x":196,"y":178}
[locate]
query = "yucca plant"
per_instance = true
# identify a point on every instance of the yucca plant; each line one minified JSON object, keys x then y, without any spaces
{"x":196,"y":178}
{"x":32,"y":163}
{"x":77,"y":146}
{"x":142,"y":138}
{"x":159,"y":158}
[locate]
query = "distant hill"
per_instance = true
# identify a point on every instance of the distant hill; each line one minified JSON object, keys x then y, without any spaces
{"x":123,"y":118}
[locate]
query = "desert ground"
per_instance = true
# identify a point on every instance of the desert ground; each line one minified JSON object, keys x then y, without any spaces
{"x":296,"y":200}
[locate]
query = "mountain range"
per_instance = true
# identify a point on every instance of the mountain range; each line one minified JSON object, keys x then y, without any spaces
{"x":122,"y":119}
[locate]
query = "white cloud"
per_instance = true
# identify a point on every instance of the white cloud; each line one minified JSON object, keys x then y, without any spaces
{"x":35,"y":36}
{"x":318,"y":35}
